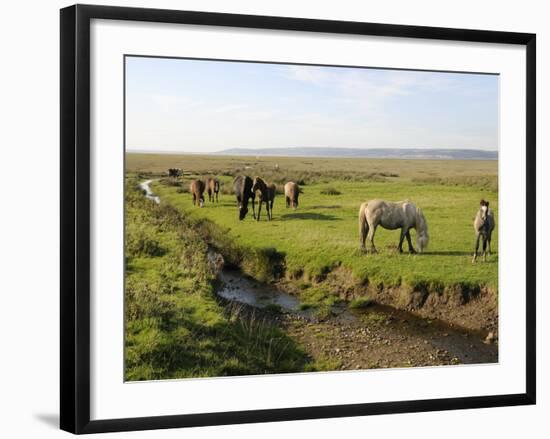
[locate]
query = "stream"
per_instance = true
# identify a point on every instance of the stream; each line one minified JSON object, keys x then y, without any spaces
{"x":146,"y":188}
{"x":378,"y":335}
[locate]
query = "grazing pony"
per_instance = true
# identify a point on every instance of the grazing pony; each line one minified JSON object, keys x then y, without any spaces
{"x":267,"y":195}
{"x":242,"y":185}
{"x":291,"y":194}
{"x":213,"y":188}
{"x":484,"y":224}
{"x":197,"y":189}
{"x":174,"y":172}
{"x":402,"y":215}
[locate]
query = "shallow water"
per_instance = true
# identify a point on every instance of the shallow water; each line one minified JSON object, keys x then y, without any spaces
{"x":238,"y":288}
{"x":146,"y":187}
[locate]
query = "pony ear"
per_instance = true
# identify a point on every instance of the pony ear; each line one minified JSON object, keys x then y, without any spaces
{"x":487,"y":203}
{"x":482,"y":202}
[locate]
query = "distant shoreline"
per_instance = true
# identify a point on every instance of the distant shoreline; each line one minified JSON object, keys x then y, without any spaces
{"x":344,"y":153}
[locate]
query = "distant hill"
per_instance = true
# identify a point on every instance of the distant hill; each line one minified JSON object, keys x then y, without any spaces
{"x":379,"y":153}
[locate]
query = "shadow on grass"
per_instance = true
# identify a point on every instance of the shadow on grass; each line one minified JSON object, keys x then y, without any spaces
{"x":332,"y":206}
{"x":449,"y":253}
{"x":309,"y":216}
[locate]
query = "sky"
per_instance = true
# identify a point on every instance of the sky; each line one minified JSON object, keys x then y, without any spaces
{"x":181,"y":105}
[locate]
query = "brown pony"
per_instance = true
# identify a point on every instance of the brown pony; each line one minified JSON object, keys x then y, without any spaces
{"x":213,"y":188}
{"x":291,"y":194}
{"x":267,"y":195}
{"x":175,"y":172}
{"x":197,"y":189}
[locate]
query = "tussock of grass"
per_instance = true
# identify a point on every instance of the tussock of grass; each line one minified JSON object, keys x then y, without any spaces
{"x":324,"y":364}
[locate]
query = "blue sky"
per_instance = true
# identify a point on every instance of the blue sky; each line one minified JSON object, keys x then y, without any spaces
{"x":207,"y":106}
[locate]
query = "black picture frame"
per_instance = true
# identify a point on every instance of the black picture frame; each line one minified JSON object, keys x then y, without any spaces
{"x":75,"y":217}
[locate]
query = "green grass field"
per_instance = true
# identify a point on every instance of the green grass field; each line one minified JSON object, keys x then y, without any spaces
{"x":323,"y":234}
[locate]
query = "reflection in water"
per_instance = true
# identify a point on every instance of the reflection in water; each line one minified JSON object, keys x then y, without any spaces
{"x":239,"y":289}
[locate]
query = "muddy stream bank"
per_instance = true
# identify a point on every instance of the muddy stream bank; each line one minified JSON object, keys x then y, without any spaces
{"x":373,"y":337}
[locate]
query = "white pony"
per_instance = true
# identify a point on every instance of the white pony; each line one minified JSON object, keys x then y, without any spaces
{"x":402,"y":215}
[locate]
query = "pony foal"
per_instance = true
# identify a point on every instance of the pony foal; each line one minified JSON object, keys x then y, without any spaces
{"x":267,"y":195}
{"x":484,"y":224}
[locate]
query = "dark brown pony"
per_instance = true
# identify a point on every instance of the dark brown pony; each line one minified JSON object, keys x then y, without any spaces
{"x":213,"y":188}
{"x":197,"y":189}
{"x":291,"y":194}
{"x":242,"y":185}
{"x":175,"y":172}
{"x":267,"y":195}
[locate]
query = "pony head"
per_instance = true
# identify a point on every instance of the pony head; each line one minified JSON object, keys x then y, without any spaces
{"x":422,"y":237}
{"x":484,"y":209}
{"x":256,"y":184}
{"x":243,"y":210}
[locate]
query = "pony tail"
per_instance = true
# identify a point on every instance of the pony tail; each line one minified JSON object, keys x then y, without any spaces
{"x":363,"y":225}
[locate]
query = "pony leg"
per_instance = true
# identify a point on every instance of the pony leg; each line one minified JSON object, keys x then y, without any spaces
{"x":259,"y":210}
{"x":401,"y":239}
{"x":484,"y":249}
{"x":476,"y":248}
{"x":363,"y":230}
{"x":409,"y":241}
{"x":287,"y":202}
{"x":253,"y":208}
{"x":370,"y":236}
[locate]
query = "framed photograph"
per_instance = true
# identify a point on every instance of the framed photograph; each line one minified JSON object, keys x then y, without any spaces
{"x":274,"y":218}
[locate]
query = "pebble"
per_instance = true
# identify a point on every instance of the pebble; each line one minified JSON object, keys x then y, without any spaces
{"x":490,"y":338}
